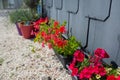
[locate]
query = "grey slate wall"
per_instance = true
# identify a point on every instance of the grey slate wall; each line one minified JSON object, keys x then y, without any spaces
{"x":1,"y":5}
{"x":104,"y":34}
{"x":18,"y":3}
{"x":5,"y":4}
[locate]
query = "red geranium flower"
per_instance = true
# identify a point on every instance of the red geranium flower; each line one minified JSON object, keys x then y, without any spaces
{"x":74,"y":71}
{"x":43,"y":20}
{"x":95,"y":60}
{"x":74,"y":60}
{"x":71,"y":66}
{"x":57,"y":31}
{"x":86,"y":73}
{"x":47,"y":37}
{"x":60,"y":42}
{"x":100,"y":70}
{"x":79,"y":55}
{"x":99,"y":52}
{"x":56,"y":23}
{"x":111,"y":77}
{"x":43,"y":34}
{"x":40,"y":21}
{"x":62,"y":29}
{"x":118,"y":78}
{"x":36,"y":26}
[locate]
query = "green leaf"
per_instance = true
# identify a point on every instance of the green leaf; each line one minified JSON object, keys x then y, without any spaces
{"x":1,"y":61}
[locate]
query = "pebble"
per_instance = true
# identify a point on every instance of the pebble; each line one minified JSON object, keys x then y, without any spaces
{"x":21,"y":63}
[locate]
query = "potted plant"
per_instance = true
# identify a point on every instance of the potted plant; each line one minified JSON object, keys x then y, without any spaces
{"x":15,"y":17}
{"x":51,"y":34}
{"x":93,"y":67}
{"x":23,"y":19}
{"x":26,"y":29}
{"x":65,"y":54}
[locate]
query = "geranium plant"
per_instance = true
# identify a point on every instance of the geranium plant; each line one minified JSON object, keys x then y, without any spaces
{"x":50,"y":33}
{"x":68,"y":49}
{"x":92,"y":67}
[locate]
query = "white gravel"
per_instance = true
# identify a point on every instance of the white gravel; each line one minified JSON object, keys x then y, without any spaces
{"x":20,"y":63}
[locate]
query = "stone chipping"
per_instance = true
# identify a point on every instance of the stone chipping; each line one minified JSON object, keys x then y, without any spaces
{"x":20,"y":63}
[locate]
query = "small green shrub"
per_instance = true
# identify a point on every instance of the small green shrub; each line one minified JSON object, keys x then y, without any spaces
{"x":22,"y":15}
{"x":69,"y":48}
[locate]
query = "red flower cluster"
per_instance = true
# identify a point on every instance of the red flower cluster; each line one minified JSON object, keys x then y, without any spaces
{"x":86,"y":72}
{"x":78,"y":56}
{"x":62,"y":29}
{"x":37,"y":24}
{"x":89,"y":71}
{"x":56,"y":24}
{"x":60,"y":42}
{"x":74,"y":69}
{"x":94,"y":66}
{"x":112,"y":77}
{"x":50,"y":32}
{"x":101,"y":53}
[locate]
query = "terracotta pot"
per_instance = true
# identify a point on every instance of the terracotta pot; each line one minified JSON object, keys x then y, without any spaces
{"x":18,"y":29}
{"x":20,"y":24}
{"x":26,"y":31}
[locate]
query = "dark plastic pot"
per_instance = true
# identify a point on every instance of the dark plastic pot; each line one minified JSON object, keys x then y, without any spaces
{"x":18,"y":29}
{"x":26,"y":31}
{"x":64,"y":59}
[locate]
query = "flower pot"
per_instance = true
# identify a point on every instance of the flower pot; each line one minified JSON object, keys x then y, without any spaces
{"x":26,"y":31}
{"x":18,"y":29}
{"x":64,"y":59}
